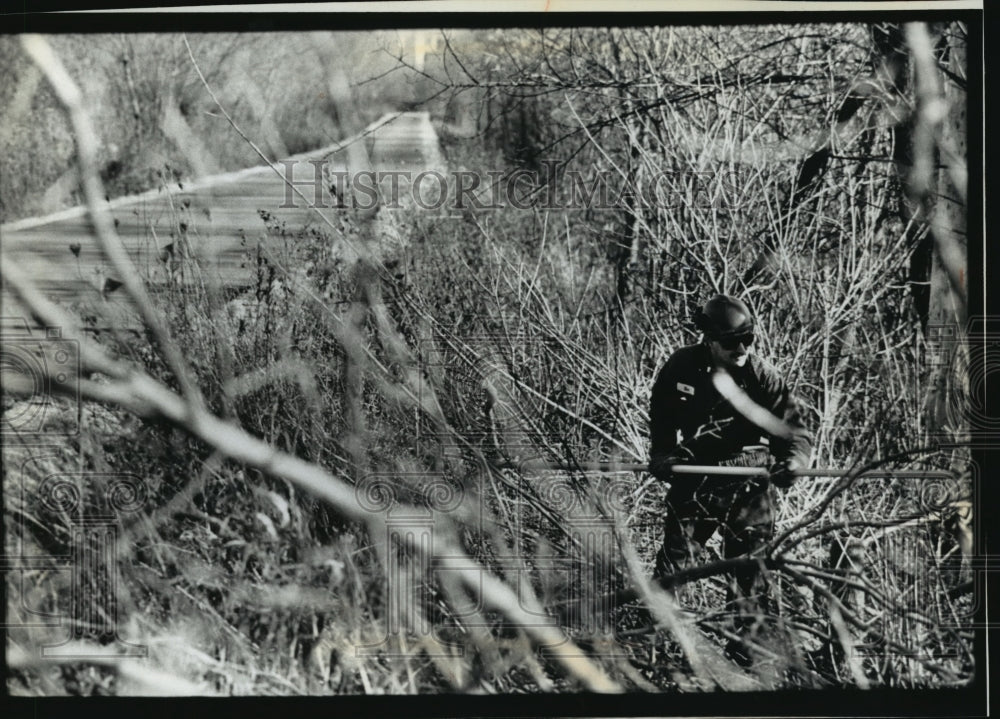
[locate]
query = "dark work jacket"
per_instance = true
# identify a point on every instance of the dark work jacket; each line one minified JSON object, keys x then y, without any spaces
{"x":685,"y":399}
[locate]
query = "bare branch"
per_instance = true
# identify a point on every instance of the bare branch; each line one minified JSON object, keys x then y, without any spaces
{"x":86,"y":146}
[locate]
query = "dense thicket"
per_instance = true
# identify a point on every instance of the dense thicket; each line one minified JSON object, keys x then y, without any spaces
{"x":773,"y":162}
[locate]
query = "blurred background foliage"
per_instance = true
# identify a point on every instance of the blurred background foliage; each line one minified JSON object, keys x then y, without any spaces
{"x":154,"y":115}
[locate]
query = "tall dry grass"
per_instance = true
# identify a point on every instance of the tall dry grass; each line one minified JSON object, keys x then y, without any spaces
{"x":269,"y":562}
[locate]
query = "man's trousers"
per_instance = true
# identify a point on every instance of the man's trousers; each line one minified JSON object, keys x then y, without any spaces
{"x":742,"y":509}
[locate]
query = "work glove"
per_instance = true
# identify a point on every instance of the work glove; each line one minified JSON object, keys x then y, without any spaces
{"x":660,"y":466}
{"x":782,"y":475}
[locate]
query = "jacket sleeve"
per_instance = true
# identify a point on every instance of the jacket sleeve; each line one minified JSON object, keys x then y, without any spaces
{"x":663,"y":414}
{"x":784,"y":404}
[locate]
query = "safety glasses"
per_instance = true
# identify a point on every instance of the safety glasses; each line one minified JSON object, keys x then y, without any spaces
{"x":731,"y":343}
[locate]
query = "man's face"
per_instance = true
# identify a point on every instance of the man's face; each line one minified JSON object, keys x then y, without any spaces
{"x":731,"y":352}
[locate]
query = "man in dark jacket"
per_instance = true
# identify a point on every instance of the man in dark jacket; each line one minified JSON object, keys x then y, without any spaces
{"x":686,"y":401}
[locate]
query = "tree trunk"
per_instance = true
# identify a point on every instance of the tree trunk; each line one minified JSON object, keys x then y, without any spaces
{"x":935,"y":183}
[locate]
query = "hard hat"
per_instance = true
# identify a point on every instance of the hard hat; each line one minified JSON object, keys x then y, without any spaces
{"x":724,"y":316}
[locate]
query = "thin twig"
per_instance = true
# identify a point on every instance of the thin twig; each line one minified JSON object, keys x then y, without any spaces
{"x":69,"y":94}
